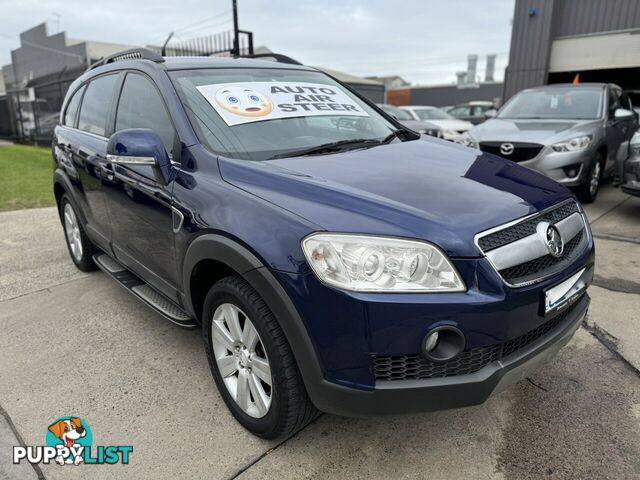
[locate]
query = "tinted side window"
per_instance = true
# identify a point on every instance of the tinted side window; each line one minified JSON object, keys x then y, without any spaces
{"x":72,"y":108}
{"x":461,"y":111}
{"x":614,"y":100}
{"x":141,"y":106}
{"x":96,"y":105}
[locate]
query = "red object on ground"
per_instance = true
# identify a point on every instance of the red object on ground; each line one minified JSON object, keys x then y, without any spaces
{"x":576,"y":79}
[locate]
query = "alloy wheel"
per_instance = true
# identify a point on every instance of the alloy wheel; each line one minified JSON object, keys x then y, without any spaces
{"x":72,"y":230}
{"x":242,"y":360}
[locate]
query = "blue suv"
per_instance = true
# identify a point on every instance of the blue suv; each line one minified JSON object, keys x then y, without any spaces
{"x":335,"y":260}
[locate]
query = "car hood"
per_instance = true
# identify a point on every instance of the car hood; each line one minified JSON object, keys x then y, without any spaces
{"x":529,"y":131}
{"x":428,"y":189}
{"x":457,"y":125}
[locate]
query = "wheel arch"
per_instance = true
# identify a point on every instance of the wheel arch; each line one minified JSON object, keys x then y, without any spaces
{"x":231,"y":258}
{"x":61,"y":186}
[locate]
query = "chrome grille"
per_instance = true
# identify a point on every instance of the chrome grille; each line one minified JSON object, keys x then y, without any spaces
{"x":522,"y":273}
{"x":521,"y":151}
{"x":527,"y":227}
{"x":519,"y":251}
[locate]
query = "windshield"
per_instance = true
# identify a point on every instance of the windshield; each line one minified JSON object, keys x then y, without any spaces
{"x":432,"y":114}
{"x":555,"y":103}
{"x":317,"y":111}
{"x":397,"y":112}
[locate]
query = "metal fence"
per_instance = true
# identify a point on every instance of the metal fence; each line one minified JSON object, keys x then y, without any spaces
{"x":30,"y":112}
{"x":219,"y":43}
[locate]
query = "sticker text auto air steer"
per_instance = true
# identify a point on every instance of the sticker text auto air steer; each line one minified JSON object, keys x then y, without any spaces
{"x":239,"y":103}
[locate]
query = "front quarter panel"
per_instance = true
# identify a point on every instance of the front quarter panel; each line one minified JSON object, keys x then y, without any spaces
{"x":211,"y":205}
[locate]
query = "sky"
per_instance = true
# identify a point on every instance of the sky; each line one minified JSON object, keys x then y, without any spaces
{"x":425,"y":41}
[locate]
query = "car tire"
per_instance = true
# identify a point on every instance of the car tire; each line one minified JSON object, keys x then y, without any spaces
{"x":588,"y":191}
{"x":237,"y":357}
{"x":80,"y":247}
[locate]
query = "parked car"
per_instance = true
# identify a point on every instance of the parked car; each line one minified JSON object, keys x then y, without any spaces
{"x":335,"y":260}
{"x":631,"y":168}
{"x":571,"y":133}
{"x":474,"y":112}
{"x":634,"y":98}
{"x":451,"y":128}
{"x":408,"y":121}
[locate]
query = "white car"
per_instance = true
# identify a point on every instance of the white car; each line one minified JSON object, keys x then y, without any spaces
{"x":450,"y":127}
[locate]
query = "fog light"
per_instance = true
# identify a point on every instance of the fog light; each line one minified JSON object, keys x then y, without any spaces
{"x":431,"y":341}
{"x":572,"y":171}
{"x":443,"y":343}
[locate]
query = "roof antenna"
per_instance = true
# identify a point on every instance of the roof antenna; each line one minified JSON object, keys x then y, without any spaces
{"x":163,"y":51}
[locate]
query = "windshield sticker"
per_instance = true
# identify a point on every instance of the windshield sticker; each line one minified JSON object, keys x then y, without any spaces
{"x":239,"y":103}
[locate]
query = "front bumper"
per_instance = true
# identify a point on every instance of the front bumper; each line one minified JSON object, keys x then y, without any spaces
{"x":632,"y":188}
{"x":409,"y":396}
{"x":556,"y":164}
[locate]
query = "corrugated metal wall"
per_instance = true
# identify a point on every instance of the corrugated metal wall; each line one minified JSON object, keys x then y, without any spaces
{"x":580,"y":17}
{"x":530,"y":45}
{"x":375,"y":93}
{"x":443,"y":96}
{"x":452,"y":95}
{"x":536,"y":23}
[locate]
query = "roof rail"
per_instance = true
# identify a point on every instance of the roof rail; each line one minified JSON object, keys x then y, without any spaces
{"x":134,"y":53}
{"x":275,"y":57}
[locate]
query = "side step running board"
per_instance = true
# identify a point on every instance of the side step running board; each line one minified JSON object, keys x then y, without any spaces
{"x":143,"y":291}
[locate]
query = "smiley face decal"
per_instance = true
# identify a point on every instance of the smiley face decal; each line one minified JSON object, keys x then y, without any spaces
{"x":243,"y":101}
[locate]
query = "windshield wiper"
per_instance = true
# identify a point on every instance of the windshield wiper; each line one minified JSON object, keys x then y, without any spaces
{"x":395,"y":134}
{"x":329,"y":147}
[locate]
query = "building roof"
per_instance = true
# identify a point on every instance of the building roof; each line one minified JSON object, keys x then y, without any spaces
{"x":348,"y":78}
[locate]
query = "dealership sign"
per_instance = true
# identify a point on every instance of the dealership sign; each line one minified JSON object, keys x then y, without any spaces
{"x":246,"y":102}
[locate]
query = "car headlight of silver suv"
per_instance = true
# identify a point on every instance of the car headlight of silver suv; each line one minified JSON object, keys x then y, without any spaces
{"x":573,"y":145}
{"x":469,"y":141}
{"x":364,"y":263}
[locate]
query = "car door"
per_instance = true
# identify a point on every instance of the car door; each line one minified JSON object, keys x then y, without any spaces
{"x":140,"y":206}
{"x":86,"y":148}
{"x":618,"y":130}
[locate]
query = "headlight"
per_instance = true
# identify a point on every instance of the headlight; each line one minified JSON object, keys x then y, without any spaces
{"x":573,"y":145}
{"x":469,"y":141}
{"x":431,"y":132}
{"x":449,"y":133}
{"x":364,"y":263}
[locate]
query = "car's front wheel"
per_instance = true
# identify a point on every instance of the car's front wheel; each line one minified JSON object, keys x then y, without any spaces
{"x":252,"y":362}
{"x":588,"y":191}
{"x":80,"y":247}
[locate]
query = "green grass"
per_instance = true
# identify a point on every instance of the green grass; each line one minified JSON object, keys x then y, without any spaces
{"x":26,"y":177}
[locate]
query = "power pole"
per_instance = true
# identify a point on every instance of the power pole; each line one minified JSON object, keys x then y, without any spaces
{"x":236,"y":40}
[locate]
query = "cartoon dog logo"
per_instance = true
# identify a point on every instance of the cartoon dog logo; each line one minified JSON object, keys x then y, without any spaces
{"x":69,"y":431}
{"x":243,"y":101}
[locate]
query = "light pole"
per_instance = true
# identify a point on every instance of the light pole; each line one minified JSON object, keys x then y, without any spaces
{"x":236,"y":40}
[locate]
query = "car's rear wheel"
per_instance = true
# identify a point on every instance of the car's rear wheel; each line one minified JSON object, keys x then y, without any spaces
{"x":80,"y":247}
{"x":252,"y":362}
{"x":588,"y":191}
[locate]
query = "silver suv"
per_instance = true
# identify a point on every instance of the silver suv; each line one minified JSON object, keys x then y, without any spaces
{"x":571,"y":133}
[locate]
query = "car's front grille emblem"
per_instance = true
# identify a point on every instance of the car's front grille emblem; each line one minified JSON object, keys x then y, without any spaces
{"x":506,"y":148}
{"x":552,"y":238}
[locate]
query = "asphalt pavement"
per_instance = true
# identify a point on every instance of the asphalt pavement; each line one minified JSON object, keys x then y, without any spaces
{"x":77,"y":344}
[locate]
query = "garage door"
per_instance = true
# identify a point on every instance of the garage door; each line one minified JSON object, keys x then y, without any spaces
{"x":595,"y":52}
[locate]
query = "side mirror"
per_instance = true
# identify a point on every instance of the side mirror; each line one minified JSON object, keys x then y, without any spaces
{"x":491,"y":113}
{"x":141,"y":147}
{"x":622,"y":114}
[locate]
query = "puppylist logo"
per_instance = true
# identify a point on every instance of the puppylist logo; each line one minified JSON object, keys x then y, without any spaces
{"x":69,"y":441}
